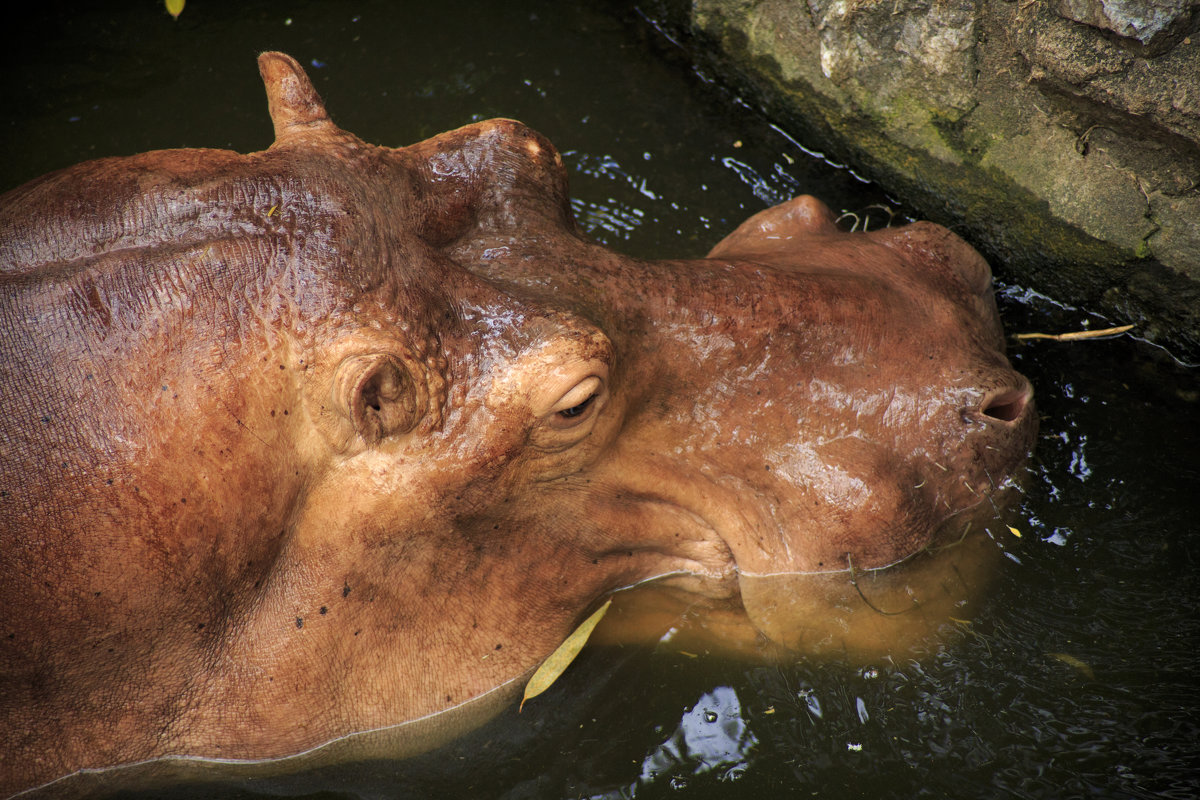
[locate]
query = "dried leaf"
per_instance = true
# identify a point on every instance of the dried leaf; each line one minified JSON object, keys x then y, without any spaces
{"x":1082,"y":666}
{"x":175,"y":7}
{"x":558,"y":661}
{"x":1074,"y":335}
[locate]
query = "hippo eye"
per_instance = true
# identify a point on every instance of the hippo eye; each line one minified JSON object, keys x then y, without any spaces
{"x":575,"y":411}
{"x":577,"y":405}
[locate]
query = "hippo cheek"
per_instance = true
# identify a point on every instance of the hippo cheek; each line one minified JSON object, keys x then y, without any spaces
{"x":851,"y":505}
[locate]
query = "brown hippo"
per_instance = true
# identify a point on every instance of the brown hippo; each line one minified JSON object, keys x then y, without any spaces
{"x":332,"y":437}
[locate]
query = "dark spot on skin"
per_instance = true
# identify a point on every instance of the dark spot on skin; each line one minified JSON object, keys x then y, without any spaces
{"x":299,"y":622}
{"x":200,"y":626}
{"x":595,"y":561}
{"x":448,"y":699}
{"x":357,"y":632}
{"x":46,"y":420}
{"x":324,"y":610}
{"x":165,"y":389}
{"x":285,"y":412}
{"x":345,"y":589}
{"x":183,"y":500}
{"x":108,"y":482}
{"x":768,"y":466}
{"x":272,"y":412}
{"x":281,"y":366}
{"x":97,"y":594}
{"x":499,"y":647}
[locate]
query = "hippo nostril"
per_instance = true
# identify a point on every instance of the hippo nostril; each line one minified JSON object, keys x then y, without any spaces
{"x":1007,"y":406}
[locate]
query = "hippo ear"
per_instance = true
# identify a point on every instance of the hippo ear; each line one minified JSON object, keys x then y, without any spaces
{"x":295,"y":106}
{"x":378,"y":396}
{"x":492,"y":177}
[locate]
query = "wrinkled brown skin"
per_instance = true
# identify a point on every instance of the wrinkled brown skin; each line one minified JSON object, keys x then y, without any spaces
{"x":282,"y":451}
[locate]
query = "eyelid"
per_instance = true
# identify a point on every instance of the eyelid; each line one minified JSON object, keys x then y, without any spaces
{"x":579,"y":394}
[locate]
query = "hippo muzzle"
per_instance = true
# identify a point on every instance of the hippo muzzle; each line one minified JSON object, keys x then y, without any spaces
{"x":343,"y":436}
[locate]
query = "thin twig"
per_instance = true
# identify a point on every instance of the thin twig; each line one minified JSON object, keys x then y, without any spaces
{"x":1076,"y":335}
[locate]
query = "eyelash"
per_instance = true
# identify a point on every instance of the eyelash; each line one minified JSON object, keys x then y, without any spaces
{"x":575,"y":411}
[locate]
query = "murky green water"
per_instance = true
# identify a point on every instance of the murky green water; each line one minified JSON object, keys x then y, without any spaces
{"x":1078,"y":677}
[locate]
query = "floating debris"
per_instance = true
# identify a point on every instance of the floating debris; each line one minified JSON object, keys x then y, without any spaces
{"x":1078,"y":664}
{"x":558,"y":661}
{"x":1075,"y":335}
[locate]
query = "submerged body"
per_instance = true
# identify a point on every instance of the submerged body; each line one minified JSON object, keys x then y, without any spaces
{"x":331,"y":437}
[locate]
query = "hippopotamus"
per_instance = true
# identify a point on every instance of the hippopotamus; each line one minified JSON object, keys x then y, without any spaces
{"x":333,"y":437}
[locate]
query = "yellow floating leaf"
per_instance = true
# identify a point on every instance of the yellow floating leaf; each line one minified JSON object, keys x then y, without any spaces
{"x":1014,"y":531}
{"x":558,"y":661}
{"x":1082,"y":666}
{"x":1074,"y":335}
{"x":175,"y":8}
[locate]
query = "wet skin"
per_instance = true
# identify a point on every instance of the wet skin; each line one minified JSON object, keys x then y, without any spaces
{"x":329,"y":437}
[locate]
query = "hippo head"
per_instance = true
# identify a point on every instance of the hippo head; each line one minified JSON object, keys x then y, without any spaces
{"x":332,"y":436}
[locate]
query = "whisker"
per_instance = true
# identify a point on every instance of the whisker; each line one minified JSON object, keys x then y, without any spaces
{"x":870,"y":605}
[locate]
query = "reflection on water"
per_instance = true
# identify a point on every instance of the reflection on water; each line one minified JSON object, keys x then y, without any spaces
{"x":662,"y":164}
{"x":712,"y":737}
{"x":867,"y":615}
